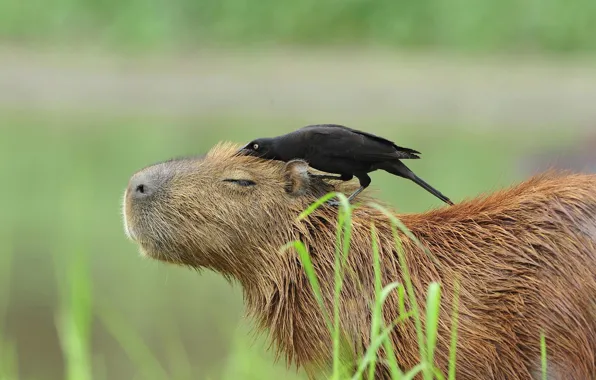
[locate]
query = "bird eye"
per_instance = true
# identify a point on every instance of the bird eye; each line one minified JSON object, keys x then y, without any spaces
{"x":241,"y":182}
{"x":255,"y":146}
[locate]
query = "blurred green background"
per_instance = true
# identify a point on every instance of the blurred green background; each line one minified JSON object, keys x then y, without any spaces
{"x":91,"y":91}
{"x":547,"y":25}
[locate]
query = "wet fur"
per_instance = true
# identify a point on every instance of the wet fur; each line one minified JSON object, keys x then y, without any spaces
{"x":525,"y":258}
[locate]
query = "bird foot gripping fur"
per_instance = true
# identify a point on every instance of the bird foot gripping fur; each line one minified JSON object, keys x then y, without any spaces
{"x":350,"y":198}
{"x":338,"y":178}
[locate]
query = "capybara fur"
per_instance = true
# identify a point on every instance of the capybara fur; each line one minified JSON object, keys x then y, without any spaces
{"x":525,"y":258}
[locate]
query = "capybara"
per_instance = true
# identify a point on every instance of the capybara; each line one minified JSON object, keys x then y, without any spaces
{"x":525,"y":259}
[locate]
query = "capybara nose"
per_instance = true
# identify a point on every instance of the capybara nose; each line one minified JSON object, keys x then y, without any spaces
{"x":142,"y":185}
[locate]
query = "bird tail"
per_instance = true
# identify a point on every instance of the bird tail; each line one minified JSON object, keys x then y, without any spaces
{"x":406,"y":153}
{"x":398,"y":168}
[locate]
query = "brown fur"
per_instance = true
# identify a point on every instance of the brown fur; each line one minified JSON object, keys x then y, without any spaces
{"x":525,"y":256}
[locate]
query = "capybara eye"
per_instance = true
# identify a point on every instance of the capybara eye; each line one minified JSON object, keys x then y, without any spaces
{"x":255,"y":146}
{"x":242,"y":182}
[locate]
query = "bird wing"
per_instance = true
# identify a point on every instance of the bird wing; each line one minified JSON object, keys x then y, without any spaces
{"x":375,"y":137}
{"x":374,"y":155}
{"x":368,"y":148}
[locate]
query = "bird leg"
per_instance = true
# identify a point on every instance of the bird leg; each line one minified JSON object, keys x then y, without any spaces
{"x":358,"y":191}
{"x":364,"y":183}
{"x":352,"y":196}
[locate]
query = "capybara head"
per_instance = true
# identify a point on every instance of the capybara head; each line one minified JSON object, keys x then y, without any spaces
{"x":206,"y":211}
{"x":525,"y":259}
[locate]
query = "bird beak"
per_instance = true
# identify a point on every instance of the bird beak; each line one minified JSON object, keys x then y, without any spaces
{"x":244,"y":151}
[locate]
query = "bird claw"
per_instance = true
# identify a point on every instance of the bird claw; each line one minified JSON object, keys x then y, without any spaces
{"x":333,"y":203}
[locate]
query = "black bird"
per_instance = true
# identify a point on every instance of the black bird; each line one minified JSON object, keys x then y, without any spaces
{"x":340,"y":150}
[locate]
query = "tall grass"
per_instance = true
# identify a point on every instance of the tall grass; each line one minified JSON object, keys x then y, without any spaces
{"x":486,"y":25}
{"x":8,"y":353}
{"x":380,"y":332}
{"x":543,"y":361}
{"x":75,"y":317}
{"x":147,"y":365}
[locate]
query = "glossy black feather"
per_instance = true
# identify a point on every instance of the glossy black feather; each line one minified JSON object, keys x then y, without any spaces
{"x":333,"y":148}
{"x":404,"y":153}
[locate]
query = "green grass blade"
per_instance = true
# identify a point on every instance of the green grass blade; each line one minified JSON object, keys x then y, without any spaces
{"x":391,"y":359}
{"x":402,"y":227}
{"x":343,"y":239}
{"x":378,"y":322}
{"x":379,"y":339}
{"x":437,"y":373}
{"x":370,"y":355}
{"x":544,"y":363}
{"x":412,"y":297}
{"x":387,"y":290}
{"x":180,"y":365}
{"x":312,"y":277}
{"x":8,"y":353}
{"x":454,"y":322}
{"x":342,"y":250}
{"x":377,"y":315}
{"x":401,"y":293}
{"x":74,"y":319}
{"x":8,"y":361}
{"x":131,"y":343}
{"x":414,"y":371}
{"x":6,"y":257}
{"x":396,"y":223}
{"x":316,"y":205}
{"x":433,"y":300}
{"x":343,"y":236}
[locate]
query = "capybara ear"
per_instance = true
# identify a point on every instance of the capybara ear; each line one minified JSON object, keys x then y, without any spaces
{"x":296,"y":176}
